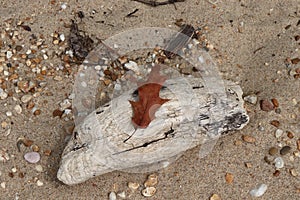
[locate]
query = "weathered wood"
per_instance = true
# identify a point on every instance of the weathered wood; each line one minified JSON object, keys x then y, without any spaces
{"x":100,"y":144}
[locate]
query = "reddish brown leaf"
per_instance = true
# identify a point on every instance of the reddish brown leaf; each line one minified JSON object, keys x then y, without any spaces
{"x":149,"y":100}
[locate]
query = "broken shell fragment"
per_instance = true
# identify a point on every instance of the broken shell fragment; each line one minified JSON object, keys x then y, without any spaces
{"x":148,"y":191}
{"x":133,"y":186}
{"x":24,"y":141}
{"x":151,"y":181}
{"x":32,"y":157}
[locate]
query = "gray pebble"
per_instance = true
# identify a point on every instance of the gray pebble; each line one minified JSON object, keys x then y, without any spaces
{"x":285,"y":150}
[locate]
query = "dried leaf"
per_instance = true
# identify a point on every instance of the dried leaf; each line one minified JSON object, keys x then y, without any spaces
{"x":149,"y":100}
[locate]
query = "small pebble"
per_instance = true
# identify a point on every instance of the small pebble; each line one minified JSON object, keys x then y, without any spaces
{"x":259,"y":191}
{"x":8,"y":54}
{"x":62,"y":37}
{"x":3,"y":185}
{"x":251,"y":99}
{"x":273,"y":151}
{"x":279,"y":163}
{"x":215,"y":197}
{"x":285,"y":150}
{"x":276,"y":173}
{"x":63,"y":6}
{"x":39,"y":168}
{"x":275,"y":102}
{"x":32,"y":157}
{"x":39,"y":183}
{"x":248,"y":138}
{"x":35,"y":148}
{"x":266,"y":105}
{"x":229,"y":178}
{"x":112,"y":196}
{"x":14,"y":170}
{"x":3,"y":95}
{"x":8,"y":113}
{"x":298,"y":144}
{"x":290,"y":134}
{"x":18,"y":109}
{"x":26,"y":98}
{"x":148,"y":191}
{"x":275,"y":123}
{"x":278,"y":133}
{"x":132,"y":66}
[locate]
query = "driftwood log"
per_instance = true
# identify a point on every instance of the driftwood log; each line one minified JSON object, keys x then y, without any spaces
{"x":106,"y":140}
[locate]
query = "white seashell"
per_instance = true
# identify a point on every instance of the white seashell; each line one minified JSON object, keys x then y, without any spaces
{"x":32,"y":157}
{"x":259,"y":191}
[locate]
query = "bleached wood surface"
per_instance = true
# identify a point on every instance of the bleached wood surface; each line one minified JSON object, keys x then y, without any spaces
{"x":187,"y":120}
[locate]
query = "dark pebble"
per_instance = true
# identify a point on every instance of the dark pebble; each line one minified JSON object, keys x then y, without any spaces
{"x":266,"y":105}
{"x":285,"y":150}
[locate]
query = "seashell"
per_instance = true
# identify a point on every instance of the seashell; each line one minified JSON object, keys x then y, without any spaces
{"x":149,"y":191}
{"x":32,"y":157}
{"x":200,"y":110}
{"x":151,"y":180}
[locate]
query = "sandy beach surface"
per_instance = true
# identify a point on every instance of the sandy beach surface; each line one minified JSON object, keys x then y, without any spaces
{"x":254,"y":43}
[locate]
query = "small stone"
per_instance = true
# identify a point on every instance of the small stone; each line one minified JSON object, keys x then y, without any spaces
{"x":28,"y":63}
{"x":3,"y":95}
{"x":266,"y":105}
{"x":32,"y":157}
{"x":18,"y":109}
{"x":259,"y":191}
{"x":63,"y":6}
{"x":215,"y":197}
{"x":62,"y":37}
{"x":248,"y":164}
{"x":122,"y":195}
{"x":298,"y":144}
{"x":295,"y":60}
{"x":55,"y":42}
{"x":229,"y":178}
{"x":275,"y":103}
{"x":14,"y":170}
{"x":8,"y":113}
{"x":35,"y":148}
{"x":251,"y":99}
{"x":65,"y":104}
{"x":276,"y":173}
{"x":285,"y":150}
{"x":151,"y":180}
{"x":275,"y":123}
{"x":3,"y":185}
{"x":37,"y":112}
{"x":273,"y":151}
{"x":278,"y":133}
{"x":39,"y":168}
{"x":248,"y":138}
{"x":8,"y":54}
{"x":279,"y":163}
{"x":26,"y":98}
{"x":148,"y":191}
{"x":112,"y":196}
{"x":133,"y":186}
{"x":39,"y":183}
{"x":57,"y":113}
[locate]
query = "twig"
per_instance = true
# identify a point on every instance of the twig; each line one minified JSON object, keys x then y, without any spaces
{"x":132,"y":13}
{"x":154,"y":3}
